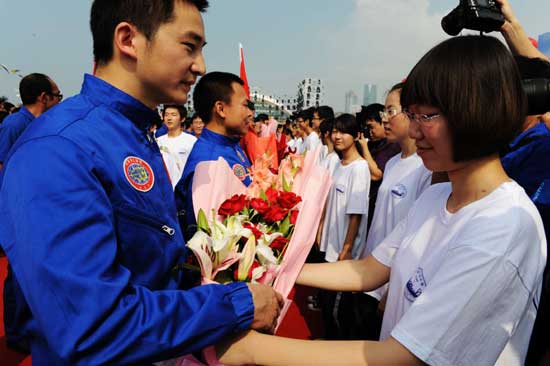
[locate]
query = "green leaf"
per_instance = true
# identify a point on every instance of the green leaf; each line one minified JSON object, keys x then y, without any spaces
{"x":263,"y":195}
{"x":285,"y":226}
{"x":202,"y":222}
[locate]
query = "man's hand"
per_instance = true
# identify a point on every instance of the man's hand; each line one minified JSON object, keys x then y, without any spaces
{"x":267,"y":307}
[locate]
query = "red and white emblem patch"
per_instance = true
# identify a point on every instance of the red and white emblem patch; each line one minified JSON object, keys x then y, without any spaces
{"x":239,"y":171}
{"x":139,"y":174}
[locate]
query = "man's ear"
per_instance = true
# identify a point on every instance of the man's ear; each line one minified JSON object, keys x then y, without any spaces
{"x":126,"y":38}
{"x":219,"y":109}
{"x":42,"y":98}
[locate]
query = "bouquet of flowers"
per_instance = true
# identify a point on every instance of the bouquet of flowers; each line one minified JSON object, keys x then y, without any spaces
{"x":261,"y":233}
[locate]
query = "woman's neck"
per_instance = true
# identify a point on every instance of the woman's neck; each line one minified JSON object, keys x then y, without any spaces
{"x":350,"y":155}
{"x":475,"y":180}
{"x":408,"y":147}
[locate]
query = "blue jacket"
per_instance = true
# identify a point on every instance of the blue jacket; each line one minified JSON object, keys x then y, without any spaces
{"x":209,"y":146}
{"x":90,"y":229}
{"x":10,"y":130}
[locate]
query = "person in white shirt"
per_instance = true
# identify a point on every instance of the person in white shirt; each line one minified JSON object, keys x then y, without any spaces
{"x":296,"y":144}
{"x":405,"y":177}
{"x":465,"y":266}
{"x":345,"y":222}
{"x":176,"y":145}
{"x":344,"y":227}
{"x":331,"y":158}
{"x":311,"y":136}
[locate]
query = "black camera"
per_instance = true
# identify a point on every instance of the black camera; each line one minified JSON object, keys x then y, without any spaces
{"x":481,"y":15}
{"x":538,"y":95}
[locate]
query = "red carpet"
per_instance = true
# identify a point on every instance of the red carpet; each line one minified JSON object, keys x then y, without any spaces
{"x":7,"y":356}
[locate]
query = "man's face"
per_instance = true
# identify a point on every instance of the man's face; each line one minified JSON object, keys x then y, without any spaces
{"x":197,"y":125}
{"x":55,"y":96}
{"x":172,"y":119}
{"x":377,"y":131}
{"x":170,"y":63}
{"x":316,"y":120}
{"x":257,"y":125}
{"x":237,"y":113}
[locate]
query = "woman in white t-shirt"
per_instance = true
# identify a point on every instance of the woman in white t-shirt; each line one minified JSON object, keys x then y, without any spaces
{"x":465,"y":266}
{"x":345,"y":221}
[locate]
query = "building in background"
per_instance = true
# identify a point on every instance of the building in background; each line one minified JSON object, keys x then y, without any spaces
{"x":370,"y":94}
{"x":279,"y":108}
{"x":311,"y":93}
{"x":544,"y":43}
{"x":352,"y":102}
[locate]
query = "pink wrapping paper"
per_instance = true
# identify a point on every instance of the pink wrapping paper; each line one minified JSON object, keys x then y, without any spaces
{"x":214,"y":182}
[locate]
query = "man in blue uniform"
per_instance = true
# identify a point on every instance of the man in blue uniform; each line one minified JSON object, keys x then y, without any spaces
{"x":38,"y":94}
{"x":88,"y":216}
{"x":221,"y":101}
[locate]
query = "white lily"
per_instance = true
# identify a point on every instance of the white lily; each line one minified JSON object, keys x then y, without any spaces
{"x":267,"y":239}
{"x":265,"y":254}
{"x":247,"y":258}
{"x":200,"y":244}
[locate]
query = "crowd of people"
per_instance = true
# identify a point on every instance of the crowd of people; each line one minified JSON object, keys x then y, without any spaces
{"x":432,"y":245}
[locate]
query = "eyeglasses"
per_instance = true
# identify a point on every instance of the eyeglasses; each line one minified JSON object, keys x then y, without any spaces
{"x":57,"y":95}
{"x":388,"y":114}
{"x":422,"y":119}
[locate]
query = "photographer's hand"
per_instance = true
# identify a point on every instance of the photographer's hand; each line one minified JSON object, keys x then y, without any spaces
{"x":375,"y":172}
{"x":515,"y":35}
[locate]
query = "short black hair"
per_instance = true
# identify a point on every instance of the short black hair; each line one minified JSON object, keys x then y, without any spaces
{"x":32,"y":85}
{"x":146,"y":15}
{"x":475,"y":83}
{"x":261,"y":117}
{"x":397,"y":86}
{"x":324,"y":112}
{"x":181,"y":109}
{"x":368,"y":113}
{"x":326,"y":126}
{"x":211,"y":88}
{"x":305,"y":114}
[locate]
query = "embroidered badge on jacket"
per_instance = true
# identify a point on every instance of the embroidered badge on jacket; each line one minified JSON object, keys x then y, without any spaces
{"x":139,"y":174}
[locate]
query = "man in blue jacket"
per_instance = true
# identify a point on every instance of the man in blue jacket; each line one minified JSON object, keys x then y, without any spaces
{"x":221,"y":101}
{"x":38,"y":94}
{"x":88,"y":216}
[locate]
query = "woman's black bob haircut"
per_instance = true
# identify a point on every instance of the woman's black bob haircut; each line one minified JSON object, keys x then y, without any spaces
{"x":475,"y":83}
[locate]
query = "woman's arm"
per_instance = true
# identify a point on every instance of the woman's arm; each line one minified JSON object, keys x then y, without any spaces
{"x":255,"y":348}
{"x":352,"y":275}
{"x":353,"y":229}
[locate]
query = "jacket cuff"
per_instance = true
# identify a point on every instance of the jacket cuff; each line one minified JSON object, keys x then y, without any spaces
{"x":241,"y":298}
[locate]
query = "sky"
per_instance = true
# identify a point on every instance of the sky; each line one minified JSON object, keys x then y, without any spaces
{"x":346,"y":43}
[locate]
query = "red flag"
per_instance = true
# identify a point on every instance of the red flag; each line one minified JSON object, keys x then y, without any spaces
{"x":534,"y":42}
{"x":243,"y":72}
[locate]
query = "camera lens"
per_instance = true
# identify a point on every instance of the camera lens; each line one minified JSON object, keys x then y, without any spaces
{"x":538,"y":95}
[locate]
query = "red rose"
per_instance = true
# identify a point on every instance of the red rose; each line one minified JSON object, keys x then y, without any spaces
{"x":275,"y":214}
{"x":259,"y":205}
{"x":257,"y":233}
{"x":288,"y":200}
{"x":279,"y":243}
{"x":294,"y":216}
{"x":233,"y":205}
{"x":272,"y":195}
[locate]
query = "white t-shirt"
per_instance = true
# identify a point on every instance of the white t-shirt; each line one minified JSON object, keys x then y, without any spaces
{"x":296,"y":143}
{"x":348,"y":195}
{"x":175,"y":151}
{"x":312,"y":141}
{"x":331,"y":162}
{"x":403,"y":182}
{"x":464,"y":287}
